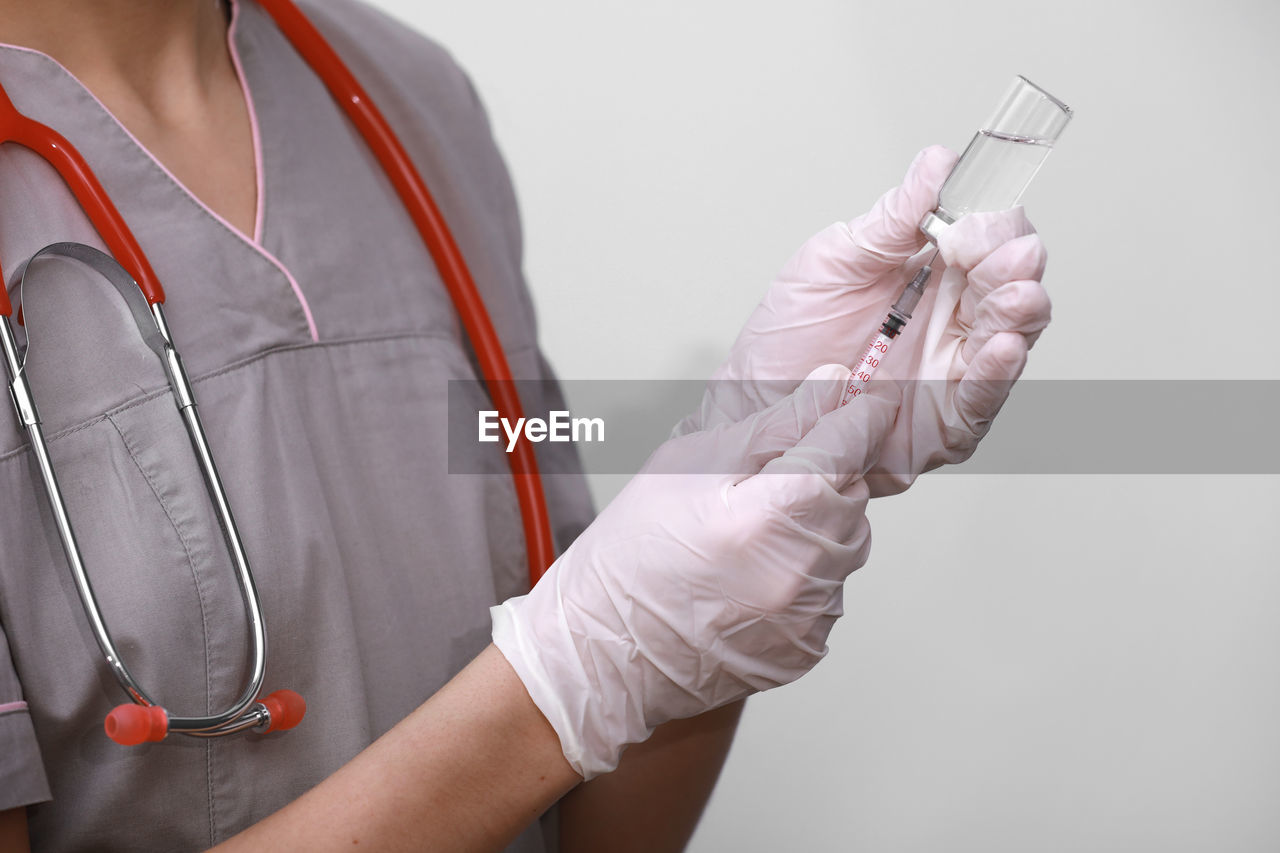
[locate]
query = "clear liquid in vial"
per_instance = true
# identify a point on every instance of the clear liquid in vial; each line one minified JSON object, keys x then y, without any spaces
{"x":992,"y":173}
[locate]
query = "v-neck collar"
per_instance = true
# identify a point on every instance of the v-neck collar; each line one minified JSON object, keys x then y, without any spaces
{"x":147,"y":193}
{"x":236,"y":62}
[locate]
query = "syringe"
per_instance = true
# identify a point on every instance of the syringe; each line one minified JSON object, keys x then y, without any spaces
{"x":893,"y":325}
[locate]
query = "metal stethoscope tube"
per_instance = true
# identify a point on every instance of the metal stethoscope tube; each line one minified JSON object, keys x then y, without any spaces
{"x":133,"y":721}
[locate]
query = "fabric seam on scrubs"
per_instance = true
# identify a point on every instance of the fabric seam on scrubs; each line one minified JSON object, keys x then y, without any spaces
{"x":200,"y":597}
{"x":163,"y":391}
{"x":186,"y":550}
{"x":30,"y":785}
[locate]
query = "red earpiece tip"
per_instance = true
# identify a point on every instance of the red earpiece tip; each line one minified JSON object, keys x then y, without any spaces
{"x":287,"y":709}
{"x":130,"y":725}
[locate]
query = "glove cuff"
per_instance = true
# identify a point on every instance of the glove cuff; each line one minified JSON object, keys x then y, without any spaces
{"x":594,"y":720}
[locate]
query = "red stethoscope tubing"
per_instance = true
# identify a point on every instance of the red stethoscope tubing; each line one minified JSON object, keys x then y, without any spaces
{"x":62,"y":155}
{"x":417,"y":200}
{"x":426,"y":216}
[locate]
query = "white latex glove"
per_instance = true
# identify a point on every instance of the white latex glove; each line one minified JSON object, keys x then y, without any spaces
{"x":717,"y":572}
{"x":832,"y":296}
{"x":983,"y":311}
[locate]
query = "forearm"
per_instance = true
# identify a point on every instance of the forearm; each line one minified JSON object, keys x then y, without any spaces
{"x":13,"y":831}
{"x":468,"y":771}
{"x":653,"y":801}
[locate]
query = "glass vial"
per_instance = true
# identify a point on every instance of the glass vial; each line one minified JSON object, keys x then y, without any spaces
{"x":1003,"y":157}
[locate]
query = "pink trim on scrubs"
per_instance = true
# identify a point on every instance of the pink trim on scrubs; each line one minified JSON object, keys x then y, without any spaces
{"x":259,"y":206}
{"x":253,"y":123}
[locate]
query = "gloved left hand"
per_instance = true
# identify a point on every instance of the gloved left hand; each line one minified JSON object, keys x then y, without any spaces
{"x":828,"y":299}
{"x":980,"y":316}
{"x":963,"y":349}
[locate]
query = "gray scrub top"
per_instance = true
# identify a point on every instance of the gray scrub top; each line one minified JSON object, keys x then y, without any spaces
{"x":321,"y":349}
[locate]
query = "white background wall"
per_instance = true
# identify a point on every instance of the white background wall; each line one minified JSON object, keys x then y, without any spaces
{"x":1049,"y":663}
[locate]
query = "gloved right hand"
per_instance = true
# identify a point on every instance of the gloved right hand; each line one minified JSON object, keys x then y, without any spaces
{"x":717,"y":572}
